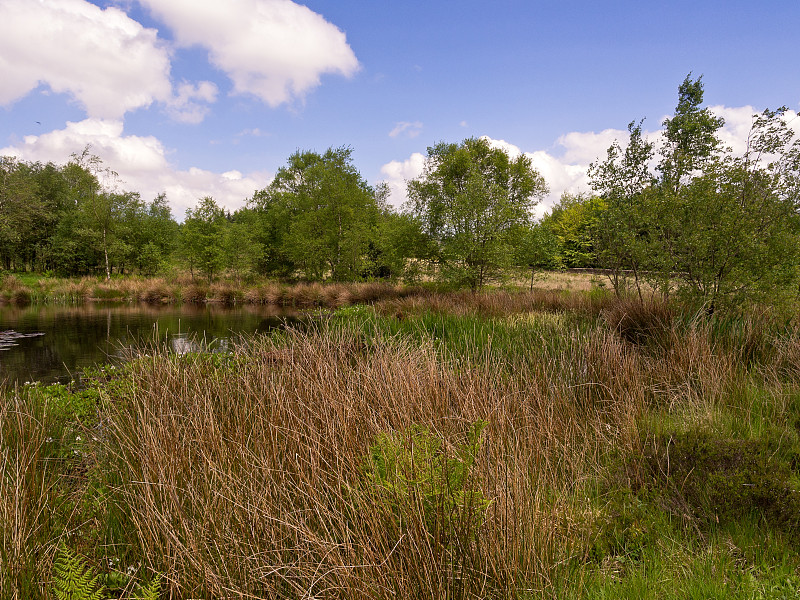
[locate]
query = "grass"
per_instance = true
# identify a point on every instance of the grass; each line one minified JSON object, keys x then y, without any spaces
{"x":26,"y":288}
{"x":494,"y":445}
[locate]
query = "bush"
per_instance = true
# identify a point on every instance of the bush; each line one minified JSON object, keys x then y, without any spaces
{"x":640,"y":322}
{"x":706,"y":478}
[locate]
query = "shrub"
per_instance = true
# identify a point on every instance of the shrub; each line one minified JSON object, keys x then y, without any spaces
{"x":708,"y":478}
{"x":640,"y":322}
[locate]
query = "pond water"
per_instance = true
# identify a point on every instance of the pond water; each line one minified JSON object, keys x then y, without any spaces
{"x":54,"y":343}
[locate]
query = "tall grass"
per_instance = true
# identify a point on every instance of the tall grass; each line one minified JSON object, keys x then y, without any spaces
{"x":29,"y":475}
{"x":159,"y":290}
{"x":248,"y":478}
{"x":248,"y":474}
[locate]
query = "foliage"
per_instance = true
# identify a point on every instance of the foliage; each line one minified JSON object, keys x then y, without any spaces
{"x":574,"y":222}
{"x":715,"y":227}
{"x":537,"y":249}
{"x":473,"y":199}
{"x":150,"y":591}
{"x":414,"y":471}
{"x":73,"y":579}
{"x":708,"y":479}
{"x":202,"y":237}
{"x":624,"y":182}
{"x":320,"y":216}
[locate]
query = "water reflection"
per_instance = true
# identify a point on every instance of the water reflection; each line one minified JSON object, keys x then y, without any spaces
{"x":52,"y":343}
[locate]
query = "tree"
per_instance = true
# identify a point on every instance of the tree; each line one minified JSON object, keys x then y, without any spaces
{"x":624,"y":181}
{"x":537,"y":249}
{"x":95,"y":200}
{"x":202,"y":237}
{"x":472,"y":199}
{"x":731,"y":231}
{"x":326,"y":211}
{"x":715,"y":227}
{"x":20,"y":210}
{"x":240,"y":249}
{"x":573,"y":222}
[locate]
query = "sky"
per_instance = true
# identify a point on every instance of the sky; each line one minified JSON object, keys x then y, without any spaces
{"x":199,"y":98}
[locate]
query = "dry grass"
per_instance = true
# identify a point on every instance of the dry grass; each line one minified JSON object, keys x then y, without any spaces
{"x":494,"y":303}
{"x":250,"y":480}
{"x":27,"y":477}
{"x":563,"y":280}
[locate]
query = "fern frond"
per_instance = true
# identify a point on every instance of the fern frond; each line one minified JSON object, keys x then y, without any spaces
{"x":151,"y":591}
{"x":74,"y":579}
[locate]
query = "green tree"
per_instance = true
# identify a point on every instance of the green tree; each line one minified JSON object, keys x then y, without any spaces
{"x":322,"y":213}
{"x":20,"y":211}
{"x":96,"y":202}
{"x":537,"y":249}
{"x":396,"y":248}
{"x":52,"y":189}
{"x":202,"y":237}
{"x":715,"y":227}
{"x":471,"y":200}
{"x":241,"y":251}
{"x":624,"y":181}
{"x":573,"y":222}
{"x":731,"y":231}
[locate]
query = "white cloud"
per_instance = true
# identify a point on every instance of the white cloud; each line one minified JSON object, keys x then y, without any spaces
{"x":106,"y":61}
{"x":398,"y":173}
{"x":560,"y":174}
{"x":566,"y":168}
{"x":738,"y":122}
{"x":141,"y":163}
{"x":407,"y":128}
{"x":190,"y":102}
{"x":255,"y":132}
{"x":274,"y":49}
{"x":584,"y":147}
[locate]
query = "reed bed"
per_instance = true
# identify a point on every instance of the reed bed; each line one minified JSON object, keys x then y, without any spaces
{"x":265,"y":495}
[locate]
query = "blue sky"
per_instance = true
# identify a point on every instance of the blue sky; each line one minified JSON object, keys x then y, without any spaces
{"x":199,"y":97}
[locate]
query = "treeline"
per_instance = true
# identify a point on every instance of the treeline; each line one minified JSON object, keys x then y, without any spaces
{"x":72,"y":220}
{"x":687,"y":216}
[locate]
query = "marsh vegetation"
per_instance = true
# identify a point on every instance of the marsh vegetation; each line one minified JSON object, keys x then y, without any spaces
{"x":456,"y":445}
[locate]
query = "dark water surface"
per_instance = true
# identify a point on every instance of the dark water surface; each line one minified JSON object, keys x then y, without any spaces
{"x":54,"y":343}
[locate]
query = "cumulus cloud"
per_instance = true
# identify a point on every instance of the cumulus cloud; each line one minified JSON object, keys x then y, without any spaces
{"x":397,"y":173}
{"x":274,"y":49}
{"x":406,"y":128}
{"x":141,"y":163}
{"x":190,"y":102}
{"x":107,"y":62}
{"x":738,"y":122}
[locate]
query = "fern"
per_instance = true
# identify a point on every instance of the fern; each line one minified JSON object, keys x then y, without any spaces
{"x":74,"y":579}
{"x":152,"y":591}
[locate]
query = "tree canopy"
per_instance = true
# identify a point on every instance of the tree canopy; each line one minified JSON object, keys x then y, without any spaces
{"x":712,"y":226}
{"x":473,"y":200}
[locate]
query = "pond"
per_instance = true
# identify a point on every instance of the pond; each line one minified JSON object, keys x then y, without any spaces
{"x":54,"y":343}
